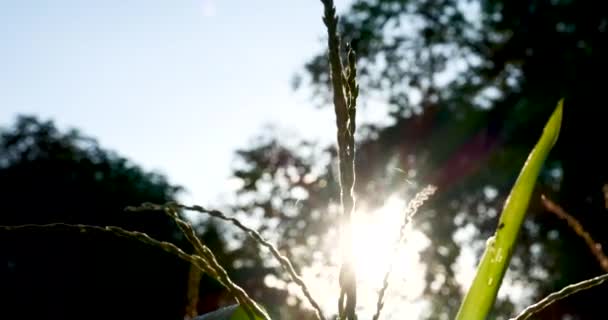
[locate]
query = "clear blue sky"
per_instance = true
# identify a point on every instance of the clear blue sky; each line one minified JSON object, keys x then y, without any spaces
{"x":175,"y":86}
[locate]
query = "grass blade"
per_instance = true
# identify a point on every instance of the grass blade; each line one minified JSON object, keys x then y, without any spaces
{"x":481,"y":296}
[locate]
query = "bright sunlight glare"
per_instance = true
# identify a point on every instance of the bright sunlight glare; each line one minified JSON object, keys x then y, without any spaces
{"x":376,"y":233}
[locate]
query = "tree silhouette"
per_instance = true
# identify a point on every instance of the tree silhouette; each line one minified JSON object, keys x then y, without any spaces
{"x":48,"y":176}
{"x":467,"y":85}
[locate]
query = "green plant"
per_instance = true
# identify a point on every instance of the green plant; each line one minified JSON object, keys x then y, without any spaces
{"x":499,"y":248}
{"x":482,"y":294}
{"x":345,"y":92}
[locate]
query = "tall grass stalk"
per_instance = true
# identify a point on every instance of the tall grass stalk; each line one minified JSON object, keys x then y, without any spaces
{"x":482,"y":294}
{"x":577,"y":227}
{"x":283,"y":260}
{"x":345,"y":92}
{"x":221,"y":273}
{"x":410,"y":210}
{"x":193,"y":293}
{"x":532,"y":310}
{"x":209,"y":267}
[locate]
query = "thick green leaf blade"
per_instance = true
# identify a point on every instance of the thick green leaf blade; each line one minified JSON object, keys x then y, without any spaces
{"x":233,"y":312}
{"x":482,"y":294}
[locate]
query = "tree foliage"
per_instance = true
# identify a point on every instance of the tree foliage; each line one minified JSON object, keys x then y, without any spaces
{"x":50,"y":176}
{"x":467,"y":85}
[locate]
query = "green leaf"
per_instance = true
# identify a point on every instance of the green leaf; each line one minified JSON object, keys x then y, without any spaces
{"x":482,"y":294}
{"x":233,"y":312}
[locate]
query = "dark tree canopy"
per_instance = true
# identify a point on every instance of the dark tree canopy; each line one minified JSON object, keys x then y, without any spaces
{"x":49,"y":176}
{"x":468,"y":86}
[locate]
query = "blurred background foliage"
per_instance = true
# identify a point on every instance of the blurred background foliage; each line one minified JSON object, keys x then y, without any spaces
{"x":467,"y":86}
{"x":49,"y":176}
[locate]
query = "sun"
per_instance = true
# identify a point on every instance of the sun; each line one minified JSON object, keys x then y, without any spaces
{"x":375,"y":234}
{"x":375,"y":237}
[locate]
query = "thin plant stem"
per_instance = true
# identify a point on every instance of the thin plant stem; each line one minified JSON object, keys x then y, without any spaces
{"x":353,"y":93}
{"x":532,"y":310}
{"x":345,"y":123}
{"x":594,"y":247}
{"x":250,"y":307}
{"x":283,"y":260}
{"x":410,"y":210}
{"x":194,"y":282}
{"x":168,"y":247}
